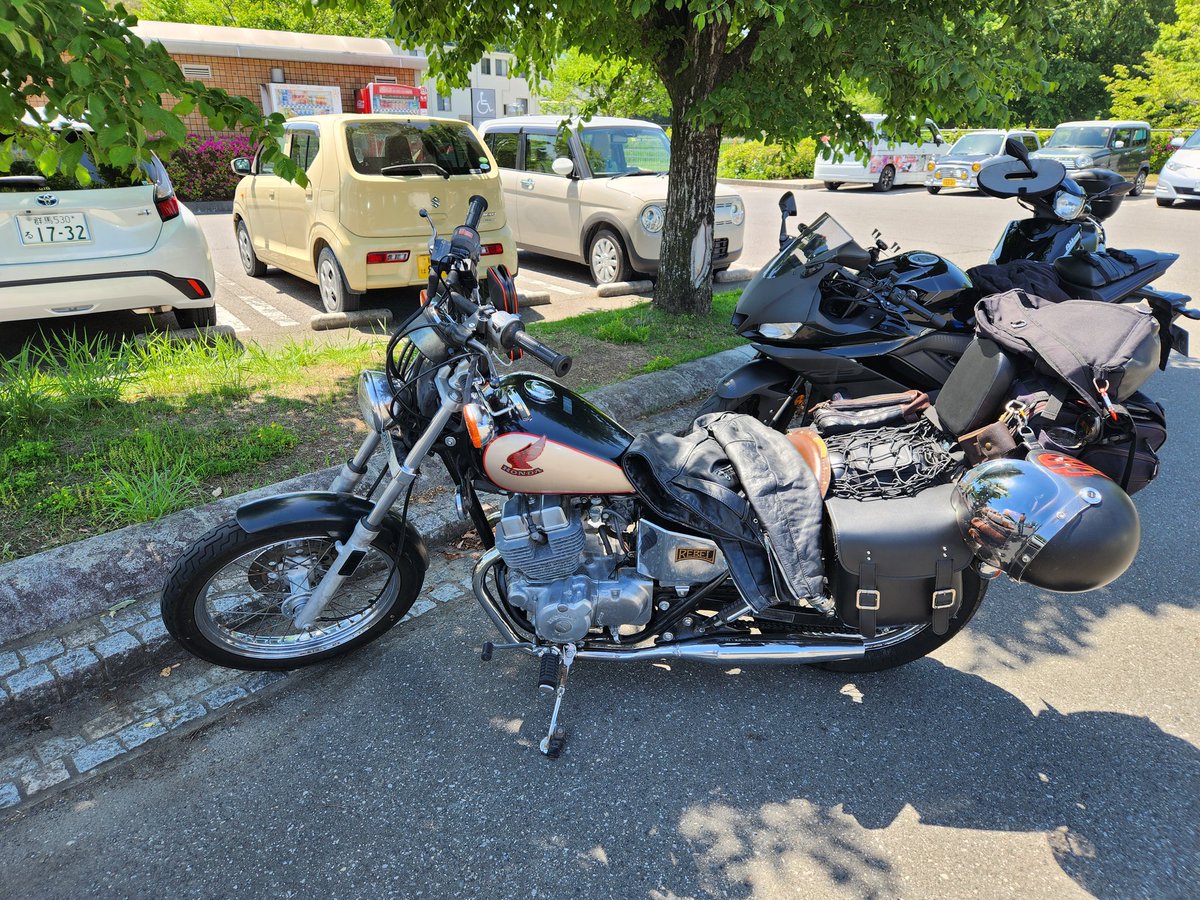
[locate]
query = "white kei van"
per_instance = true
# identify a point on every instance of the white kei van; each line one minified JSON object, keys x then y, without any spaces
{"x":889,"y":164}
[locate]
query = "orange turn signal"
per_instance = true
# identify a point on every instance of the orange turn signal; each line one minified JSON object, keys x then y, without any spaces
{"x":480,"y":425}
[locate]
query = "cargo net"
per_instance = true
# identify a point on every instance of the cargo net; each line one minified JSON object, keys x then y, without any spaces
{"x":888,"y":462}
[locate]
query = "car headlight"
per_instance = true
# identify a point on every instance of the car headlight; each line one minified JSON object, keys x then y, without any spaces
{"x":780,"y":331}
{"x":937,"y":174}
{"x":653,"y":218}
{"x":1067,"y":206}
{"x":929,"y":166}
{"x":975,"y":167}
{"x":1083,"y":161}
{"x":1173,"y":166}
{"x":737,"y":212}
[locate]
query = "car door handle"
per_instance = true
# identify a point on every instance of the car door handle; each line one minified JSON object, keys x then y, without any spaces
{"x":308,"y":195}
{"x":270,"y":195}
{"x":527,"y":183}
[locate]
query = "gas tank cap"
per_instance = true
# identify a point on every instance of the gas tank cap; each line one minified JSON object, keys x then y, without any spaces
{"x":538,"y":391}
{"x":922,"y":259}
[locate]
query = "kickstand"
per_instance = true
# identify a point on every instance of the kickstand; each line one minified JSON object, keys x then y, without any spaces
{"x":552,"y":743}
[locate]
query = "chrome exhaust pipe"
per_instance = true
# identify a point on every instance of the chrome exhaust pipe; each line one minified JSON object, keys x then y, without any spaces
{"x":715,"y":652}
{"x":724,"y":653}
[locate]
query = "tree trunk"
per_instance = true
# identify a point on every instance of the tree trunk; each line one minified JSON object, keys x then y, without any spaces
{"x":685,"y":273}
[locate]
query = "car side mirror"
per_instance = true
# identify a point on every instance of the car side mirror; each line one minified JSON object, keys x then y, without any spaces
{"x":787,"y":205}
{"x":242,"y":166}
{"x":937,"y":141}
{"x":1118,"y":145}
{"x":563,"y":166}
{"x":1177,"y":142}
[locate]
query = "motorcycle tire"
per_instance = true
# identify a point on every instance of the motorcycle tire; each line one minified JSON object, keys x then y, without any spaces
{"x":265,"y":558}
{"x":921,"y":643}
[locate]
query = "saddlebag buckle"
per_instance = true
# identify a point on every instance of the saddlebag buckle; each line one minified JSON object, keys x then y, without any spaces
{"x":945,"y":599}
{"x":860,"y":596}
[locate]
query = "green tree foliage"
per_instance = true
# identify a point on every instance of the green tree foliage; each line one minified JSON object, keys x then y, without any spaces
{"x":1165,"y":87}
{"x":78,"y":59}
{"x":745,"y":67}
{"x":371,"y":19}
{"x":1082,"y":42}
{"x":578,"y":83}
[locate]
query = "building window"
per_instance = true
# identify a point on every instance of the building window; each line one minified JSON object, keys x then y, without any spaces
{"x":385,"y":79}
{"x":194,"y":71}
{"x":485,"y":66}
{"x":501,"y":66}
{"x":443,"y":103}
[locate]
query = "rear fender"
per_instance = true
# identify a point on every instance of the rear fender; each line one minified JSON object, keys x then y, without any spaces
{"x":337,"y":513}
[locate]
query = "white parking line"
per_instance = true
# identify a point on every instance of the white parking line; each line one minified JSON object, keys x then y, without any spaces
{"x":264,"y":309}
{"x":225,"y":317}
{"x":525,"y":279}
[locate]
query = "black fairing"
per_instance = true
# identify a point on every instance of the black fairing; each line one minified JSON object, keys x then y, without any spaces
{"x":1042,"y":239}
{"x":934,"y":277}
{"x":564,"y":417}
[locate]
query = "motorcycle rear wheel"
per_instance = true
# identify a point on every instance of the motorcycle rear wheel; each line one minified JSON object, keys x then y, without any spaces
{"x":882,"y":654}
{"x":231,"y":598}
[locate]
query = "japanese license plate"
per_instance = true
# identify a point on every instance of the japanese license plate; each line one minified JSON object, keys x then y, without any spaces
{"x":53,"y":228}
{"x":949,"y":182}
{"x":423,"y":265}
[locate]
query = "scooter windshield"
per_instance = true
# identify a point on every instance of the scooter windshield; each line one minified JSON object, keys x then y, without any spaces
{"x":816,"y":243}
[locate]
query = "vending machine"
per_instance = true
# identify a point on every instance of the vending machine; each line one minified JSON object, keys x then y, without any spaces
{"x":397,"y":99}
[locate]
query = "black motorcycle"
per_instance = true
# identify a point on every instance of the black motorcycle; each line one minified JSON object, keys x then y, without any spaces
{"x":827,"y":315}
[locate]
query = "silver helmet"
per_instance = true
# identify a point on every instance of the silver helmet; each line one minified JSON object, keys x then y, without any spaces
{"x":1048,"y":519}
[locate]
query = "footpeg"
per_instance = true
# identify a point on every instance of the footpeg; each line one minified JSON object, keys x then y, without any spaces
{"x":548,"y":673}
{"x":556,"y":736}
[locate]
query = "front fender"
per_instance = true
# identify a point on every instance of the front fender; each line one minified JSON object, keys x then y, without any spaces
{"x":338,"y":513}
{"x":759,"y":377}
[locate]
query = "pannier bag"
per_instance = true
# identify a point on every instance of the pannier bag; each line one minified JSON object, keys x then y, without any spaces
{"x":1127,"y":452}
{"x":897,"y":563}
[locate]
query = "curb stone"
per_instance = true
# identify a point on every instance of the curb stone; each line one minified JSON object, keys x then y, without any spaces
{"x":84,"y":645}
{"x":793,"y":184}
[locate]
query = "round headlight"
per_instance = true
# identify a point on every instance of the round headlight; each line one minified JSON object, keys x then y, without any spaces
{"x":652,"y":219}
{"x":975,"y":167}
{"x":737,"y":212}
{"x":1083,"y":161}
{"x":929,"y":166}
{"x":1067,"y":205}
{"x":937,"y":174}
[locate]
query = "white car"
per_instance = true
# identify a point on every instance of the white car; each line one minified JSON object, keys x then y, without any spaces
{"x":596,"y":192}
{"x":888,"y":164}
{"x":1180,"y":177}
{"x":117,"y":245}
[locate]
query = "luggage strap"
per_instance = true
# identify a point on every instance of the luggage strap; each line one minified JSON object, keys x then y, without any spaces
{"x":945,"y":597}
{"x":866,"y":599}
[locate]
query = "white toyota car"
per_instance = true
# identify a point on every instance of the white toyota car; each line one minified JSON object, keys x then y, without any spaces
{"x":118,"y":244}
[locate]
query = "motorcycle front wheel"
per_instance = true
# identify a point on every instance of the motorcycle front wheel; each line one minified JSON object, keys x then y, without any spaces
{"x":232,"y":597}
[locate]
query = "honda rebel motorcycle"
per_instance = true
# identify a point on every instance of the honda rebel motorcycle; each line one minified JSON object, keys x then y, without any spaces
{"x":587,"y":559}
{"x":828,"y":315}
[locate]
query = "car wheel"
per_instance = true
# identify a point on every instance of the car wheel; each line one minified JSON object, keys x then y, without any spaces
{"x":832,"y":185}
{"x":336,"y":295}
{"x":933,"y":189}
{"x":606,"y":258}
{"x":1139,"y":183}
{"x":887,"y":180}
{"x":254,"y":267}
{"x":1163,"y":201}
{"x":204,"y":317}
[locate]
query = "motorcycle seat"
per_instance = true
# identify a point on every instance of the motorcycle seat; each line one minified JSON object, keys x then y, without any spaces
{"x":976,"y":389}
{"x":1095,"y":270}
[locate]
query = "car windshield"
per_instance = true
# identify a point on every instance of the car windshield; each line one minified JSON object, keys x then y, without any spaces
{"x":818,"y":242}
{"x":625,"y":149}
{"x":1193,"y":143}
{"x":978,"y":145}
{"x":376,"y":145}
{"x":1079,"y":136}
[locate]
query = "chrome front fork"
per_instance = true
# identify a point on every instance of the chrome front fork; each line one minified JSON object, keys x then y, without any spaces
{"x":354,"y":469}
{"x":355,"y":547}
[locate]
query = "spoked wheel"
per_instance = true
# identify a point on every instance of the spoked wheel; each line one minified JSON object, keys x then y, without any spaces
{"x":232,"y":599}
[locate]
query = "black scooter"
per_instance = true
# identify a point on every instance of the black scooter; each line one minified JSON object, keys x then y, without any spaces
{"x":827,"y":315}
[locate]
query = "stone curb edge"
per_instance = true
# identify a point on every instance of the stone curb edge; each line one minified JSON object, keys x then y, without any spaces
{"x":797,"y":184}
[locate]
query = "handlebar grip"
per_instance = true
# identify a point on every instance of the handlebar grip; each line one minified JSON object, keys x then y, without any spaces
{"x":936,"y":320}
{"x":476,"y":207}
{"x":558,"y":363}
{"x":463,"y":305}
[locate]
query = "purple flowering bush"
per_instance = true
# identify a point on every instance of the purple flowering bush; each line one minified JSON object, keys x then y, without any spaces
{"x":200,"y":169}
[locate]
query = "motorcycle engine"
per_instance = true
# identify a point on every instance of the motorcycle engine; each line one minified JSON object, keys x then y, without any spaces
{"x":564,"y":558}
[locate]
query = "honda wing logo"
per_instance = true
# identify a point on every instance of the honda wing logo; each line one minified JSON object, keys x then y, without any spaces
{"x":47,"y":200}
{"x":520,"y":462}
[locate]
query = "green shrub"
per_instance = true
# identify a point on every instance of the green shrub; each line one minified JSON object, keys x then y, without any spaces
{"x":759,"y":161}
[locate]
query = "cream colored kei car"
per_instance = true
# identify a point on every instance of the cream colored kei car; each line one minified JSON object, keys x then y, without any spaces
{"x":356,"y":225}
{"x":596,"y":192}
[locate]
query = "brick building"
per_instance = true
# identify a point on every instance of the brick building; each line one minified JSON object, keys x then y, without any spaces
{"x":250,"y":61}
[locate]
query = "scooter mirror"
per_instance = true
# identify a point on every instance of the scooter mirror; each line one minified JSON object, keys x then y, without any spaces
{"x":1017,"y":150}
{"x":787,"y":204}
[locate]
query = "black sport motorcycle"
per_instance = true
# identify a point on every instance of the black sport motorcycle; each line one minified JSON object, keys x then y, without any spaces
{"x":578,"y":564}
{"x":827,"y":315}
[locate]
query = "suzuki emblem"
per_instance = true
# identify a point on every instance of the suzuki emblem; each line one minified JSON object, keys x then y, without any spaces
{"x":436,"y":202}
{"x":47,"y":200}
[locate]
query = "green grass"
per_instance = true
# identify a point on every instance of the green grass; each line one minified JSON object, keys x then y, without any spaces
{"x":650,"y":340}
{"x":96,"y":434}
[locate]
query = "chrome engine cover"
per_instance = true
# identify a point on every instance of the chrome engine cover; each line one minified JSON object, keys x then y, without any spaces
{"x":564,"y":572}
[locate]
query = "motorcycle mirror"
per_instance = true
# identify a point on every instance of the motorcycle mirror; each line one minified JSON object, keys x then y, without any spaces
{"x":787,"y":204}
{"x":1017,"y":150}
